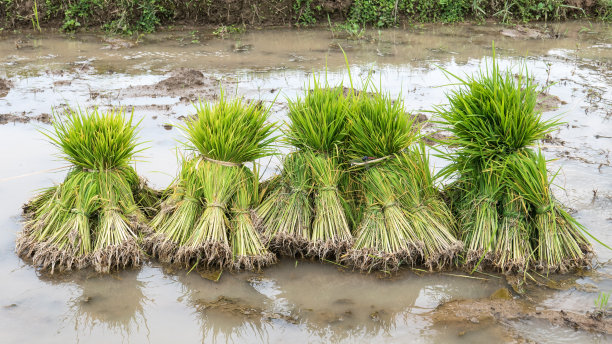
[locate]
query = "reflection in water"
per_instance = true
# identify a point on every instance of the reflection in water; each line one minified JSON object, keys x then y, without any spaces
{"x":113,"y":303}
{"x":228,"y":310}
{"x":320,"y":302}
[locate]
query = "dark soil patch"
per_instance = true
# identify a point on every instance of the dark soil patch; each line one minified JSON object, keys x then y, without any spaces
{"x":5,"y":87}
{"x":503,"y":309}
{"x":188,"y":85}
{"x":10,"y":118}
{"x":237,"y":307}
{"x":548,"y":102}
{"x":523,"y":32}
{"x":182,"y":78}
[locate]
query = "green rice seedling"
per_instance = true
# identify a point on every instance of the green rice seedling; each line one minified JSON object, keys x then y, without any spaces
{"x":177,"y":216}
{"x":193,"y":226}
{"x":479,"y":218}
{"x":331,"y":234}
{"x":208,"y":239}
{"x":385,"y":236}
{"x":247,"y":249}
{"x":513,"y":247}
{"x":391,"y":232}
{"x":92,"y":218}
{"x":318,"y":121}
{"x":560,"y":242}
{"x":287,"y":228}
{"x":431,"y":218}
{"x":307,"y":214}
{"x":493,"y":114}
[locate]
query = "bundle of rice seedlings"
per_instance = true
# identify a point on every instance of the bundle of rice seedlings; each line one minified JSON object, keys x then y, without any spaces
{"x":288,"y":212}
{"x":423,"y":203}
{"x":513,"y":250}
{"x":390,"y":231}
{"x":561,"y":244}
{"x":479,"y":218}
{"x":385,"y":236}
{"x":193,"y":224}
{"x":306,"y":214}
{"x":500,"y":181}
{"x":331,"y":234}
{"x":92,"y":218}
{"x":247,"y":249}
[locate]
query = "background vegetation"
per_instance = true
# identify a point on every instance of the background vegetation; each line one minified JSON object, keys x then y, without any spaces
{"x":130,"y":16}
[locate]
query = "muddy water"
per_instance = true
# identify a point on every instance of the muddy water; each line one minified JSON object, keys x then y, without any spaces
{"x":296,"y":301}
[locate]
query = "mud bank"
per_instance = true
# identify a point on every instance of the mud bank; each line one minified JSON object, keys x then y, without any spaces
{"x":502,"y":308}
{"x":146,"y":16}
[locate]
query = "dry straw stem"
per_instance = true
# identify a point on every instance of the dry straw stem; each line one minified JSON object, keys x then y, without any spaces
{"x":286,"y":215}
{"x":92,"y":218}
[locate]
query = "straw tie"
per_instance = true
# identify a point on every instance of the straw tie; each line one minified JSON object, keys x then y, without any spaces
{"x":191,"y":199}
{"x":216,"y":205}
{"x":545,"y":209}
{"x":369,"y":160}
{"x":389,"y":205}
{"x":240,"y":211}
{"x":513,"y":215}
{"x":328,"y":188}
{"x":78,"y":211}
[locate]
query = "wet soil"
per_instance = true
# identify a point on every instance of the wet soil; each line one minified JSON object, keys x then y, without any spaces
{"x":10,"y":118}
{"x":5,"y":87}
{"x":502,"y":308}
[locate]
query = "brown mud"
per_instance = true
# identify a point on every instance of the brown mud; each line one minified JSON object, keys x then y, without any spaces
{"x":5,"y":87}
{"x":11,"y":118}
{"x":502,"y":308}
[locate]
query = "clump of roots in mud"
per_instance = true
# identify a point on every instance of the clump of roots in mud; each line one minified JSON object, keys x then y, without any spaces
{"x":508,"y":217}
{"x":94,"y":217}
{"x":403,"y":219}
{"x":204,"y":217}
{"x":305,"y":214}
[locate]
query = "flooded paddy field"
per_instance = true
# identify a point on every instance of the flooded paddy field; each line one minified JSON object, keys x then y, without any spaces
{"x":160,"y":75}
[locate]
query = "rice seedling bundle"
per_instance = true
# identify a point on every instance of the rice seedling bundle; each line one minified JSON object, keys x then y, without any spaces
{"x":203,"y":218}
{"x":287,"y":213}
{"x":306,"y":214}
{"x":247,"y":249}
{"x":404,"y":219}
{"x":501,"y":194}
{"x":561,"y":244}
{"x":423,"y":203}
{"x":93,"y":217}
